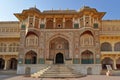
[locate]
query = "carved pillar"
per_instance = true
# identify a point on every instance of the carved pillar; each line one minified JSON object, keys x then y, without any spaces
{"x":79,"y":22}
{"x":63,"y":22}
{"x":90,"y":21}
{"x":114,"y":64}
{"x":6,"y":64}
{"x":112,"y":47}
{"x":39,"y":23}
{"x":28,"y":20}
{"x":73,"y":21}
{"x":54,"y":21}
{"x":44,"y":22}
{"x":84,"y":20}
{"x":34,"y":21}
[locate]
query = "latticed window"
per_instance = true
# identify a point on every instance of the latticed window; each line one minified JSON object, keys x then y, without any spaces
{"x":86,"y":39}
{"x":32,"y":40}
{"x":14,"y":47}
{"x":117,"y":46}
{"x":3,"y":47}
{"x":49,"y":24}
{"x":106,"y":46}
{"x":68,"y":24}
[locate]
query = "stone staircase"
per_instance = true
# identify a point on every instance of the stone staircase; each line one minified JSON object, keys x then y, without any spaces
{"x":57,"y":71}
{"x":39,"y":73}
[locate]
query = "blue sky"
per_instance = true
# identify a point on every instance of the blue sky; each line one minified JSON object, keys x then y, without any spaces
{"x":9,"y":7}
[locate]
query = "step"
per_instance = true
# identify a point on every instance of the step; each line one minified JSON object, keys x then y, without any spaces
{"x":57,"y":71}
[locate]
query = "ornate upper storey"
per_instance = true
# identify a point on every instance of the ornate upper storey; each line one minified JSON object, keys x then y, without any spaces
{"x":9,"y":29}
{"x":60,"y":19}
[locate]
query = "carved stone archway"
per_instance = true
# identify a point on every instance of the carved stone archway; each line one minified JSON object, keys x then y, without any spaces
{"x":58,"y":45}
{"x":58,"y":36}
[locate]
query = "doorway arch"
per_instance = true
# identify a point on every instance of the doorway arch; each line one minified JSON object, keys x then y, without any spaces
{"x":13,"y":63}
{"x":2,"y":63}
{"x":59,"y":59}
{"x":107,"y":61}
{"x":31,"y":57}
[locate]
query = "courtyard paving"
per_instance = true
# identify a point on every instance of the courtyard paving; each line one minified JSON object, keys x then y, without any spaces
{"x":10,"y":75}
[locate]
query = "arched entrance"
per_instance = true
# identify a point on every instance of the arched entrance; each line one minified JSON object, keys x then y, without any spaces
{"x":107,"y":61}
{"x":2,"y":63}
{"x":87,"y":57}
{"x":13,"y":63}
{"x":59,"y":58}
{"x":118,"y":63}
{"x":31,"y":57}
{"x":57,"y":45}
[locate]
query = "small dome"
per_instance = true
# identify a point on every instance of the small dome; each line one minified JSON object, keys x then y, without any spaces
{"x":85,"y":7}
{"x":34,"y":8}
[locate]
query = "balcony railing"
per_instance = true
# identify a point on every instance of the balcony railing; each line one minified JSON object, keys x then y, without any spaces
{"x":110,"y":52}
{"x":9,"y":53}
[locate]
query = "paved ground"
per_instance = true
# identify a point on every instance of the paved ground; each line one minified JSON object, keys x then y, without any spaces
{"x":12,"y":76}
{"x":89,"y":77}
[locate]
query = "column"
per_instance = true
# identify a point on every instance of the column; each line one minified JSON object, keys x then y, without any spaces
{"x":112,"y":47}
{"x":73,"y":21}
{"x":44,"y":22}
{"x":39,"y":23}
{"x":114,"y":64}
{"x":79,"y":22}
{"x":93,"y":20}
{"x":63,"y":22}
{"x":54,"y":20}
{"x":84,"y":20}
{"x":90,"y":21}
{"x":28,"y":21}
{"x":5,"y":67}
{"x":34,"y":21}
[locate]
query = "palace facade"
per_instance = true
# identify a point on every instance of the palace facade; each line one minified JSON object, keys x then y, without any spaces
{"x":79,"y":39}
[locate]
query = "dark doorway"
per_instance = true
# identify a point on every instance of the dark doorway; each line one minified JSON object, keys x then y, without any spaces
{"x":13,"y":63}
{"x":59,"y":58}
{"x":2,"y":63}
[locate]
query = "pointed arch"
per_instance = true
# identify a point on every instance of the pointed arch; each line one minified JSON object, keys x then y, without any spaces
{"x":13,"y":63}
{"x":117,"y":46}
{"x":31,"y":33}
{"x":56,"y":36}
{"x":31,"y":57}
{"x":106,"y":46}
{"x":118,"y":63}
{"x":60,"y":44}
{"x":107,"y":61}
{"x":87,"y":39}
{"x":31,"y":39}
{"x":87,"y":57}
